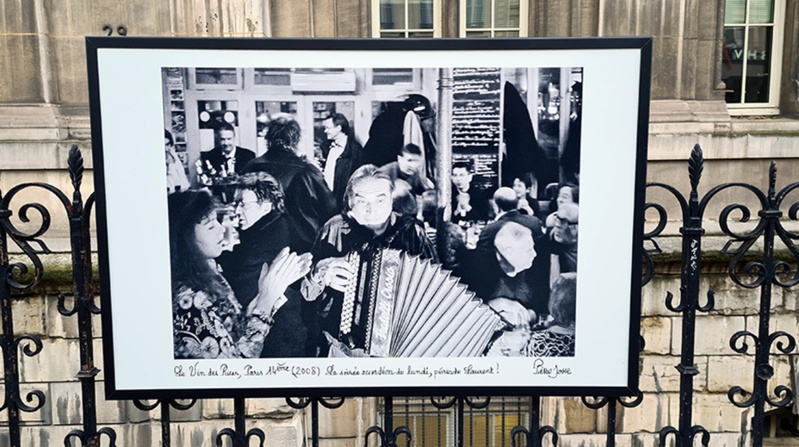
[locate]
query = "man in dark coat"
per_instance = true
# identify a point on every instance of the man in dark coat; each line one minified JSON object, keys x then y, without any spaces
{"x":226,"y":157}
{"x":368,"y":226}
{"x":342,"y":155}
{"x":486,"y":275}
{"x":264,"y":232}
{"x":309,"y":202}
{"x":468,"y":203}
{"x":386,"y":136}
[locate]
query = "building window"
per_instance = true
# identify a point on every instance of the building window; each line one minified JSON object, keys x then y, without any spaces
{"x":406,"y":18}
{"x":752,"y":55}
{"x":489,"y":426}
{"x":493,"y":18}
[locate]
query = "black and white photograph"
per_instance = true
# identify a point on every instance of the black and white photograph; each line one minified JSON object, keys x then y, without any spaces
{"x":315,"y":232}
{"x":372,"y":219}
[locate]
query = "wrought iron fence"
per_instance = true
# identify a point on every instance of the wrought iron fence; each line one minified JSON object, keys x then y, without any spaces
{"x":473,"y":419}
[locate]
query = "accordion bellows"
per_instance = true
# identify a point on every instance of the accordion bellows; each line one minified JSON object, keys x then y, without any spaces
{"x":415,"y":309}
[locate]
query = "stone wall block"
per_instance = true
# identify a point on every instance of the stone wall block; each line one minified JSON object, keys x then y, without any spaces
{"x":324,"y":23}
{"x":290,"y":19}
{"x":223,"y":18}
{"x":570,"y":440}
{"x":734,"y":300}
{"x":58,"y":16}
{"x":727,"y":371}
{"x":68,"y":67}
{"x":21,"y":80}
{"x":708,"y":19}
{"x":41,"y":436}
{"x":285,"y":434}
{"x":339,"y":423}
{"x":669,"y":19}
{"x":31,"y":154}
{"x":712,"y":334}
{"x":217,"y":408}
{"x":137,"y":435}
{"x":790,"y":299}
{"x":18,"y":16}
{"x":274,"y":408}
{"x":352,"y":19}
{"x":66,"y":404}
{"x":138,"y":416}
{"x":657,"y":334}
{"x":659,"y":374}
{"x":59,"y":361}
{"x":779,"y":322}
{"x":691,"y":26}
{"x":716,"y":413}
{"x":652,"y":415}
{"x":42,"y":416}
{"x":58,"y":325}
{"x":65,"y":400}
{"x":664,"y":65}
{"x":577,"y":417}
{"x":188,"y":434}
{"x":648,"y":440}
{"x":195,"y":413}
{"x":89,"y":18}
{"x":619,"y":18}
{"x":337,"y":442}
{"x":646,"y":21}
{"x":653,"y":298}
{"x":689,"y":68}
{"x":29,"y":315}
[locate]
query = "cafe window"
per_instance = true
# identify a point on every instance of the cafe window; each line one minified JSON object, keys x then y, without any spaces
{"x":493,"y":18}
{"x":752,"y":55}
{"x":406,"y":18}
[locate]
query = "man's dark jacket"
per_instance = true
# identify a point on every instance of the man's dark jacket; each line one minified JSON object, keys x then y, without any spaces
{"x":347,"y":163}
{"x":260,"y":244}
{"x":484,"y":271}
{"x":309,"y":203}
{"x":217,"y":159}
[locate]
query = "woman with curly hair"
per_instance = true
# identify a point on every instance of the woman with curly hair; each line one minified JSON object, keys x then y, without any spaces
{"x":208,"y":320}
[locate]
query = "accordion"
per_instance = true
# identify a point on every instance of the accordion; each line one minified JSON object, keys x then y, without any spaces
{"x":409,"y":307}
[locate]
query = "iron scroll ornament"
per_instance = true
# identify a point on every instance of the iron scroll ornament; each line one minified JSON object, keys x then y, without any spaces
{"x":763,"y":274}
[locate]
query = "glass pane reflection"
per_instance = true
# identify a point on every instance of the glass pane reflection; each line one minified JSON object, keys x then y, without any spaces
{"x":478,"y":13}
{"x":761,"y":11}
{"x":758,"y":64}
{"x":420,"y":14}
{"x":506,"y":13}
{"x":392,"y":14}
{"x":735,"y":11}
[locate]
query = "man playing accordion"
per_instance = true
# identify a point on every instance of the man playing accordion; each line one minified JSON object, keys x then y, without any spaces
{"x":345,"y":244}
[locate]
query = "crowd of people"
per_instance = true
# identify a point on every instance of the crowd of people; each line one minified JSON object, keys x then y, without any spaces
{"x":259,"y":245}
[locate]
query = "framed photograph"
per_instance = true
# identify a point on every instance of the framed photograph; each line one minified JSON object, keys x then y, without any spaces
{"x":369,"y":217}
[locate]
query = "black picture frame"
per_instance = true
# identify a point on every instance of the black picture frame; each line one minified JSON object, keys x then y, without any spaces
{"x":126,"y":89}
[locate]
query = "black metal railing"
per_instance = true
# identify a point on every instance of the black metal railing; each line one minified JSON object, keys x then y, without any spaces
{"x":749,"y":268}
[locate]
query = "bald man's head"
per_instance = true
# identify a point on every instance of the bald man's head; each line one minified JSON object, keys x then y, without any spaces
{"x":505,"y":198}
{"x":515,"y":248}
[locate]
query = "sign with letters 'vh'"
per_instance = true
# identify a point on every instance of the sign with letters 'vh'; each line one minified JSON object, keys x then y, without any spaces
{"x":368,"y":217}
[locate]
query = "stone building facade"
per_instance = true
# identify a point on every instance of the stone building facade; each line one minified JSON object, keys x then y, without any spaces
{"x":44,"y":110}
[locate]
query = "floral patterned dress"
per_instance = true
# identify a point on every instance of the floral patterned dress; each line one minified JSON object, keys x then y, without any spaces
{"x":209,"y":328}
{"x":550,"y":344}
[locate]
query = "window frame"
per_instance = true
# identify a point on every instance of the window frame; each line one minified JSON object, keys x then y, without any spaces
{"x":376,"y":30}
{"x":523,"y":22}
{"x":775,"y":70}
